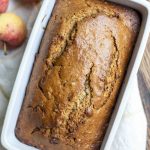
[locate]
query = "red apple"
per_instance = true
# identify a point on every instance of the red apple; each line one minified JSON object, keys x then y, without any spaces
{"x":3,"y":5}
{"x":12,"y":29}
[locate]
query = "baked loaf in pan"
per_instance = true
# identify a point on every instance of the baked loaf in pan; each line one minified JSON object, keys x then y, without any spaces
{"x":77,"y":75}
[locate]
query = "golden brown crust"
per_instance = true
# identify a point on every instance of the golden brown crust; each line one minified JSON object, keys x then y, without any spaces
{"x":74,"y":85}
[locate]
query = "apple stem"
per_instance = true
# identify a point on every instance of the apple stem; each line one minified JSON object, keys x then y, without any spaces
{"x":5,"y":48}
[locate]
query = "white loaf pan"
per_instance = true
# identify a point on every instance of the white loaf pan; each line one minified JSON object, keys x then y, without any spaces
{"x":8,"y":137}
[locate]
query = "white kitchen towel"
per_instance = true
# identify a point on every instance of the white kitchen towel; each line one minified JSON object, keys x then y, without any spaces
{"x":131,"y":134}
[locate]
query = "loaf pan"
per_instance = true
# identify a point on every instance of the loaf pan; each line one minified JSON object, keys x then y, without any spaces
{"x":8,"y":138}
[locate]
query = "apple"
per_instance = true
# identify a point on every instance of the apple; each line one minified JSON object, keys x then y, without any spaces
{"x":13,"y":30}
{"x":3,"y":5}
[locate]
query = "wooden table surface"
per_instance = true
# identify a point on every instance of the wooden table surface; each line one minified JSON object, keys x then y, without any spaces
{"x":144,"y":86}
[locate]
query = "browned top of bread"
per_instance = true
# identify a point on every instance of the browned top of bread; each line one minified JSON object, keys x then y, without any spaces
{"x":74,"y":84}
